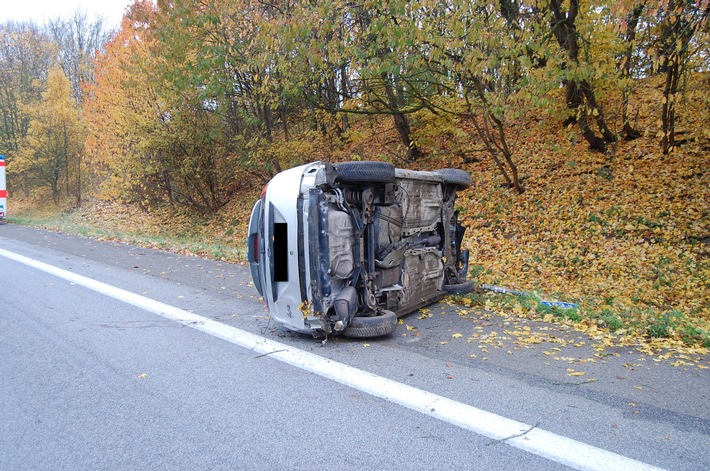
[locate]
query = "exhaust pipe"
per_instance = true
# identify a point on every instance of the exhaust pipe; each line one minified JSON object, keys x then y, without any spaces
{"x":345,"y":305}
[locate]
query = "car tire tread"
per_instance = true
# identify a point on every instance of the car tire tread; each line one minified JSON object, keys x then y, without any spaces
{"x":365,"y":172}
{"x":375,"y":326}
{"x":461,"y":179}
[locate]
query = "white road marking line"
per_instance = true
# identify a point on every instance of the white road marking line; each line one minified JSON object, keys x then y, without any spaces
{"x":534,"y":440}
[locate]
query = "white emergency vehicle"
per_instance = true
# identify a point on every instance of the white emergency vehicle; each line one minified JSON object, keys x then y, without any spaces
{"x":3,"y":189}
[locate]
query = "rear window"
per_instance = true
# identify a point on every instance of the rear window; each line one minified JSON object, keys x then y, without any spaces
{"x":280,"y":251}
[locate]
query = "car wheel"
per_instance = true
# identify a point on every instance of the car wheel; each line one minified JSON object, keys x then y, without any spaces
{"x":459,"y":288}
{"x":375,"y":326}
{"x":461,"y":179}
{"x":364,"y":172}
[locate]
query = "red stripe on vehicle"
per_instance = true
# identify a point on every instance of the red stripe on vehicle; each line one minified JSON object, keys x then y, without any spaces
{"x":3,"y":193}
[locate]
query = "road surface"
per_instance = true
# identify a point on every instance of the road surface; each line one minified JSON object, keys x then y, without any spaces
{"x":119,"y":357}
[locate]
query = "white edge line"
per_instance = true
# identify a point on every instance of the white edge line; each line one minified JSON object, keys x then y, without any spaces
{"x":534,"y":440}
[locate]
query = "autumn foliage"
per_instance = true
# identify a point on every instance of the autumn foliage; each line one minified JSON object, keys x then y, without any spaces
{"x":625,"y":233}
{"x":584,"y":126}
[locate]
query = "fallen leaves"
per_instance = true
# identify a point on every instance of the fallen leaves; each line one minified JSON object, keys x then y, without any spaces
{"x":626,"y":237}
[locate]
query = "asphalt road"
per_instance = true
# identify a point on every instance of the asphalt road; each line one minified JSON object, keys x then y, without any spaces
{"x":88,"y":381}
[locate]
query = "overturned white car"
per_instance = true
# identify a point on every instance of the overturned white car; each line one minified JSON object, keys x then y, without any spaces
{"x":349,"y":247}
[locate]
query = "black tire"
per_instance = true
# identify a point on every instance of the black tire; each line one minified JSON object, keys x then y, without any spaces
{"x":376,"y":326}
{"x":364,"y":172}
{"x":461,"y":179}
{"x":459,"y":288}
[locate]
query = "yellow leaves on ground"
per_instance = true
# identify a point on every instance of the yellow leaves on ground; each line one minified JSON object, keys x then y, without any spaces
{"x":624,"y":234}
{"x":572,"y":342}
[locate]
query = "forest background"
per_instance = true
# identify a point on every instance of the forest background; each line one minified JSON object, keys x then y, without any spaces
{"x":584,"y":126}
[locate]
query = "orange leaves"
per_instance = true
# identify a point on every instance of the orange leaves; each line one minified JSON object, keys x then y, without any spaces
{"x":623,"y":230}
{"x":625,"y":234}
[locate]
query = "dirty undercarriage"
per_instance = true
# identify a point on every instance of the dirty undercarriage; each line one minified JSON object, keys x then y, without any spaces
{"x":374,"y":243}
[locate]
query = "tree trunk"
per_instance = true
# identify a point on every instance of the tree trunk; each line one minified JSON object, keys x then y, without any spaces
{"x":575,"y":102}
{"x":401,"y":121}
{"x":502,"y":145}
{"x":596,"y":110}
{"x":565,"y":31}
{"x":78,"y":182}
{"x":632,"y":20}
{"x":491,"y":132}
{"x":670,"y":90}
{"x":683,"y":21}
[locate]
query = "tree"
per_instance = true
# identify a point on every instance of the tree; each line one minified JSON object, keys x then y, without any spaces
{"x":580,"y":94}
{"x":220,"y":86}
{"x":626,"y":66}
{"x":383,"y":65}
{"x":25,"y":56}
{"x":446,"y":61}
{"x":354,"y":63}
{"x":52,"y":148}
{"x":159,"y":133}
{"x":120,"y":109}
{"x":680,"y":37}
{"x":487,"y":69}
{"x":78,"y":42}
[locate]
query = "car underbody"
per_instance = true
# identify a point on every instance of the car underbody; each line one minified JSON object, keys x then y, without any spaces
{"x":358,"y":245}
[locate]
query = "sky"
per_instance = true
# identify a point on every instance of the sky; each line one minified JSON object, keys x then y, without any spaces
{"x":41,"y":10}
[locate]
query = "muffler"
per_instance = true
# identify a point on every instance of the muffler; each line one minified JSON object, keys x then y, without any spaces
{"x":345,"y":305}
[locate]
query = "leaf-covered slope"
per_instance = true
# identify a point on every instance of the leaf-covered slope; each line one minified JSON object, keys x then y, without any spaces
{"x":626,"y":233}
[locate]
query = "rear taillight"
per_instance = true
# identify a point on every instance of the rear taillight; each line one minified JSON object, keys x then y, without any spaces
{"x":263,"y":191}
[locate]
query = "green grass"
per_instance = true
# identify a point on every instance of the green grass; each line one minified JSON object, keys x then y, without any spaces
{"x":191,"y":243}
{"x":641,"y":324}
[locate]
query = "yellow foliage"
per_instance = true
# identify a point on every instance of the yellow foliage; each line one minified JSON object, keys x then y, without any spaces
{"x":622,"y":231}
